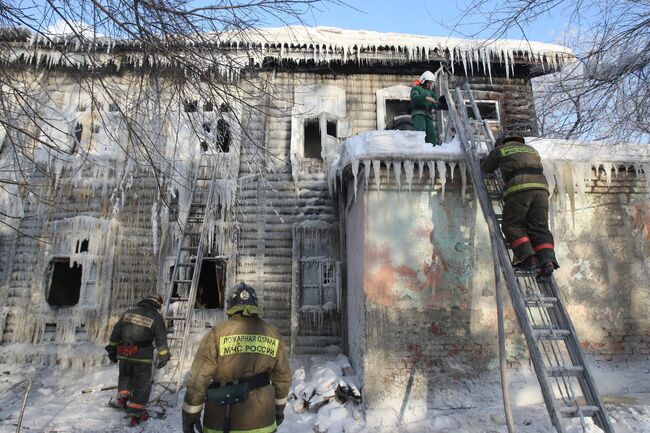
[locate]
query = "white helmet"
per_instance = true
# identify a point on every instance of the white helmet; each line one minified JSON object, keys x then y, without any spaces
{"x":427,"y":76}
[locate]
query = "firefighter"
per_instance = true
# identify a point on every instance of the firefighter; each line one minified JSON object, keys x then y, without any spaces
{"x":240,"y":373}
{"x":423,"y":100}
{"x":131,"y":343}
{"x":525,"y":209}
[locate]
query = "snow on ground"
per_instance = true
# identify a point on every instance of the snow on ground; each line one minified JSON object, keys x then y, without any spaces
{"x":56,"y":403}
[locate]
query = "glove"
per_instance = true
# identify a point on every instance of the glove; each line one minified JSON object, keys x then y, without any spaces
{"x":112,"y":353}
{"x":279,"y":413}
{"x":163,"y":360}
{"x":192,"y":422}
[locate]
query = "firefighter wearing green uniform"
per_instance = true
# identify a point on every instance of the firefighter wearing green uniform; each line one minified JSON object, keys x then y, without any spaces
{"x":423,"y":100}
{"x":240,"y":373}
{"x":525,"y":210}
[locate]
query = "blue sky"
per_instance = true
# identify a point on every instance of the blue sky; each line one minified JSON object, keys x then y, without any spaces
{"x":432,"y":18}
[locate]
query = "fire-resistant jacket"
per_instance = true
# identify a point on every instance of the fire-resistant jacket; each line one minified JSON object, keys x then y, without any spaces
{"x":236,"y":349}
{"x":141,"y":326}
{"x":521,"y":167}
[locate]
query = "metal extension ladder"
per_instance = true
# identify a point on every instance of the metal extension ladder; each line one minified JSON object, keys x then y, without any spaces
{"x":181,"y":297}
{"x":567,"y":386}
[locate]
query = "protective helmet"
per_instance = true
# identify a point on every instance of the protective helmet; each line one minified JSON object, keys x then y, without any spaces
{"x":155,"y":300}
{"x":507,"y":136}
{"x":243,"y":300}
{"x":427,"y":76}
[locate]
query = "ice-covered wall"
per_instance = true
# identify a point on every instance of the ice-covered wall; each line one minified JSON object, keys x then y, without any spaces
{"x":427,"y":284}
{"x":113,"y":170}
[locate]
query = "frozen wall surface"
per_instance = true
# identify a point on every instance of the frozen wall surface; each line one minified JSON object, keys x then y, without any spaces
{"x":429,"y":315}
{"x":320,"y":45}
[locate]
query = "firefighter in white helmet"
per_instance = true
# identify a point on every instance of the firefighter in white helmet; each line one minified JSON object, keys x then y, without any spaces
{"x":423,"y":101}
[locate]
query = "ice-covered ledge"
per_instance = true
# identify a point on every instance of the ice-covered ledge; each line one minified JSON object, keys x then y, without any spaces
{"x":568,"y":165}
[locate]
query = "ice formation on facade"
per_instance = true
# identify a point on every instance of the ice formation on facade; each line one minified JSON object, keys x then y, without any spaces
{"x":301,"y":44}
{"x":569,"y":166}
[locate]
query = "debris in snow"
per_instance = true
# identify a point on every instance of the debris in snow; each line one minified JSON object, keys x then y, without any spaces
{"x":332,"y":392}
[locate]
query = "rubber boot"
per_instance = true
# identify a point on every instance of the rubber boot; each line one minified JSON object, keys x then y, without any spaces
{"x":138,"y":417}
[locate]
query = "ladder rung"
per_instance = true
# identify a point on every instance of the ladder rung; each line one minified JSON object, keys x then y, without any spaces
{"x":174,"y":337}
{"x":540,"y":301}
{"x":551,"y":334}
{"x":560,"y":370}
{"x":182,"y":281}
{"x":175,"y":318}
{"x":185,"y":265}
{"x":570,"y":412}
{"x":204,"y":178}
{"x":189,"y":248}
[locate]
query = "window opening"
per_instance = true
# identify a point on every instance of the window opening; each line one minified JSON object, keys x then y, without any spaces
{"x":82,"y":246}
{"x":65,"y":283}
{"x":191,"y":106}
{"x":208,"y":106}
{"x":318,"y":282}
{"x":112,"y":107}
{"x":96,"y":129}
{"x":223,"y":136}
{"x":396,"y":107}
{"x":78,"y":133}
{"x":312,"y":146}
{"x":489,"y":110}
{"x":212,"y":281}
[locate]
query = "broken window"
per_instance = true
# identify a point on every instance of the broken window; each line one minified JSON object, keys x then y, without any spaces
{"x":65,"y":283}
{"x":212,"y":281}
{"x":78,"y":134}
{"x":223,"y":136}
{"x":319,"y":282}
{"x":82,"y":246}
{"x":208,"y":106}
{"x":190,"y":106}
{"x":396,"y":107}
{"x":312,"y":135}
{"x":489,"y":110}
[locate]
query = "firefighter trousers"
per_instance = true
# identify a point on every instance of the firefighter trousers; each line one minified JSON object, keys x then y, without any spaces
{"x":423,"y":122}
{"x":135,"y":380}
{"x":525,"y":225}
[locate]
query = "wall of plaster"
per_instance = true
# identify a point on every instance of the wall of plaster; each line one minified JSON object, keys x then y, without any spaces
{"x":429,"y":289}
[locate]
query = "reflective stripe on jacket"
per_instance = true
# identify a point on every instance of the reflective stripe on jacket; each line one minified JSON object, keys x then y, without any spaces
{"x":238,"y":348}
{"x":142,"y":326}
{"x":512,"y":158}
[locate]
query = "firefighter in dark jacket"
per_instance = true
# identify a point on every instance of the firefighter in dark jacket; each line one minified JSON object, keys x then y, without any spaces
{"x":423,"y":100}
{"x":240,"y":373}
{"x":525,"y":210}
{"x":131,"y":343}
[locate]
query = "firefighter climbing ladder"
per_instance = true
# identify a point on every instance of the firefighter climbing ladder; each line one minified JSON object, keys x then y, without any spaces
{"x":567,"y":385}
{"x":181,"y":297}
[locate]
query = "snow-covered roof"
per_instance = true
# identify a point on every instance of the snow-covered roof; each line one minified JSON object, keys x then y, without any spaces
{"x":321,"y":45}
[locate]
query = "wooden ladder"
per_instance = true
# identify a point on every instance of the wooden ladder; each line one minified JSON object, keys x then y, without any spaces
{"x":567,"y":385}
{"x":181,"y":296}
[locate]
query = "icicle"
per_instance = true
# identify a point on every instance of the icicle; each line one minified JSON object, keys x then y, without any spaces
{"x":607,"y":167}
{"x":397,"y":168}
{"x":388,"y":164}
{"x":420,"y":169}
{"x":355,"y":171}
{"x":366,"y":171}
{"x":452,"y":167}
{"x":376,"y":171}
{"x":463,"y":177}
{"x":442,"y":169}
{"x":432,"y":172}
{"x":408,"y":170}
